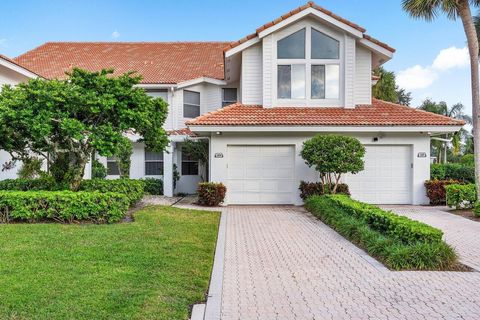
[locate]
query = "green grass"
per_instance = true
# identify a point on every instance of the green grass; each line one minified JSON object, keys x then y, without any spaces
{"x":153,"y":268}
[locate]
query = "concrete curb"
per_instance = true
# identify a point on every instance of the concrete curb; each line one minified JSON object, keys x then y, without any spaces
{"x":214,"y":299}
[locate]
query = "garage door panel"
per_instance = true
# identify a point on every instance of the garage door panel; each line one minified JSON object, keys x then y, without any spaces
{"x":260,"y":174}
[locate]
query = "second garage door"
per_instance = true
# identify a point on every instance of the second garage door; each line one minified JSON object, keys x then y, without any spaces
{"x":261,"y":174}
{"x":386,"y":178}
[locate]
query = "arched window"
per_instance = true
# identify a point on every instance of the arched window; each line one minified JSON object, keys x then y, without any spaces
{"x":308,"y":61}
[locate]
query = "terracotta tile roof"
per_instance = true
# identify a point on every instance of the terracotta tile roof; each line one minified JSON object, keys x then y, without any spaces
{"x":379,"y":113}
{"x":181,"y":132}
{"x":299,"y":9}
{"x":16,"y":63}
{"x":157,"y":62}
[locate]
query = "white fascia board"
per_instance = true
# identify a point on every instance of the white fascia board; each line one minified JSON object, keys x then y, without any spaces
{"x":192,"y":82}
{"x":311,"y":11}
{"x":242,"y":47}
{"x":18,"y":69}
{"x":156,"y":85}
{"x":437,"y":129}
{"x":375,"y":47}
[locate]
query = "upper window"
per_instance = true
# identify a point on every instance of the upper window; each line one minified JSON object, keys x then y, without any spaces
{"x":229,"y":96}
{"x":191,"y":104}
{"x":311,"y":74}
{"x":292,"y":46}
{"x":153,"y":163}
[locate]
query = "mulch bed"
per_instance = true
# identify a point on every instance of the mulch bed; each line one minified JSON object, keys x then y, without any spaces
{"x":466,"y":213}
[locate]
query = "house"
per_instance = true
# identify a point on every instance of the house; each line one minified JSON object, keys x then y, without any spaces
{"x":257,"y":100}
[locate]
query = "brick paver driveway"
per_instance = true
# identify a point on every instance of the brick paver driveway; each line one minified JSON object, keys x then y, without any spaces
{"x":281,"y":263}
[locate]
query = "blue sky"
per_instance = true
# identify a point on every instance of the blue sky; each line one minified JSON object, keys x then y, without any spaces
{"x":29,"y":23}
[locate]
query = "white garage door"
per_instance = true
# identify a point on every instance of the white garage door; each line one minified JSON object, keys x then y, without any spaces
{"x":260,"y":175}
{"x":386,"y":178}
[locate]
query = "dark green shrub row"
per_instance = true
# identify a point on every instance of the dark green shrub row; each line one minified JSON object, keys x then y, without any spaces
{"x":436,"y":191}
{"x":308,"y":189}
{"x":62,"y":206}
{"x":131,"y":188}
{"x":396,"y":254}
{"x":388,"y":223}
{"x":30,"y":184}
{"x":153,"y":186}
{"x":211,"y":193}
{"x":461,"y":196}
{"x":452,"y":171}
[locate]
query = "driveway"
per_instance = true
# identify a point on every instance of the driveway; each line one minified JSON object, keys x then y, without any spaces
{"x":282,"y":263}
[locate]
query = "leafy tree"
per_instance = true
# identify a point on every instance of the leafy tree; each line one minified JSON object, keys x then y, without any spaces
{"x":64,"y":121}
{"x":430,"y":9}
{"x":332,"y":156}
{"x":124,"y":153}
{"x":98,"y":169}
{"x":197,"y":150}
{"x":31,"y":168}
{"x":386,"y":88}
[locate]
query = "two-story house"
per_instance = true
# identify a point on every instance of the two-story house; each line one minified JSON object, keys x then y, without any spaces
{"x":257,"y":100}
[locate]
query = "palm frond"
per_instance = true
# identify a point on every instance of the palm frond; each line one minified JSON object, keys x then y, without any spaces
{"x":430,"y":9}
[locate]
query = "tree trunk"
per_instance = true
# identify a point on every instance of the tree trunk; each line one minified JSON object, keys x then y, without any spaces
{"x":78,"y":169}
{"x":472,"y":40}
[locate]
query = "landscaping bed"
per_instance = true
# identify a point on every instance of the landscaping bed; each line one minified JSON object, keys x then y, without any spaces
{"x":153,"y":268}
{"x":466,"y":213}
{"x":398,"y":242}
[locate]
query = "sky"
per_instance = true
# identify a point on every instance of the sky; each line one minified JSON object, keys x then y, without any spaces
{"x":431,"y":59}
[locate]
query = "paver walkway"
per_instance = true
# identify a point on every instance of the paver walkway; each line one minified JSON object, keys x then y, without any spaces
{"x":282,"y":263}
{"x":461,"y":233}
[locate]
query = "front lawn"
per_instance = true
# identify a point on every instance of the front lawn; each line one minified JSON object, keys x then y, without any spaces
{"x":153,"y":268}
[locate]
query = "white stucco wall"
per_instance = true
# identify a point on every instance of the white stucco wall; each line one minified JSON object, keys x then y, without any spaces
{"x":8,"y":76}
{"x":419,"y":143}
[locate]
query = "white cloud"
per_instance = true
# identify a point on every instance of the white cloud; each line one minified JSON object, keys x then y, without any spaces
{"x":451,"y":58}
{"x":115,"y":34}
{"x":416,"y":77}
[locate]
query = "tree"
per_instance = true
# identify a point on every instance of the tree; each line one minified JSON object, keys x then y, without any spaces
{"x":123,"y":154}
{"x":197,"y":150}
{"x":456,"y":112}
{"x":386,"y":88}
{"x":64,"y":121}
{"x":332,"y":156}
{"x":428,"y":10}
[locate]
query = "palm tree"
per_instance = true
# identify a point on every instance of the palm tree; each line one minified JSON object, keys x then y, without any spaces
{"x":456,"y":112}
{"x":430,"y":9}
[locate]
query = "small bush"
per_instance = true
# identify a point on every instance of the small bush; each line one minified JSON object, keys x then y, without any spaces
{"x":476,"y":209}
{"x":461,"y":196}
{"x":153,"y":186}
{"x":99,"y":171}
{"x":363,"y":224}
{"x":131,"y":188}
{"x":30,"y":184}
{"x":453,"y":171}
{"x":437,"y":171}
{"x":211,"y":193}
{"x":308,"y":189}
{"x":468,"y":160}
{"x":62,"y":206}
{"x":436,"y":190}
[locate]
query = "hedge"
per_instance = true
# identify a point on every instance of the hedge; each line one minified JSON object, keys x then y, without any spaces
{"x":29,"y":184}
{"x":133,"y":189}
{"x":308,"y":189}
{"x":452,"y":171}
{"x":210,"y":193}
{"x":153,"y":186}
{"x":436,"y":190}
{"x":62,"y":206}
{"x":461,"y":196}
{"x":401,"y":243}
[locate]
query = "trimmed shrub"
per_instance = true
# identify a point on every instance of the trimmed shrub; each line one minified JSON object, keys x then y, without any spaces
{"x":153,"y":186}
{"x":436,"y":190}
{"x":401,"y":243}
{"x":461,"y":196}
{"x":30,"y":184}
{"x":211,"y":193}
{"x":132,"y":189}
{"x":437,"y":171}
{"x":308,"y":189}
{"x":468,"y":160}
{"x":62,"y":206}
{"x":453,"y":171}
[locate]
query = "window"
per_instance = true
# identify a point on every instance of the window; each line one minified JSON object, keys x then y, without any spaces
{"x":189,"y":166}
{"x":191,"y":104}
{"x":153,"y":163}
{"x":229,"y":96}
{"x":316,"y":70}
{"x":161,"y":93}
{"x":112,"y":166}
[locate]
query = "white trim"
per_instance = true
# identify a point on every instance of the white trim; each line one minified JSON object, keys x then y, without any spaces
{"x":156,"y":85}
{"x":318,"y":14}
{"x":192,"y":82}
{"x":286,"y":128}
{"x":242,"y":47}
{"x":375,"y":47}
{"x":17,"y":68}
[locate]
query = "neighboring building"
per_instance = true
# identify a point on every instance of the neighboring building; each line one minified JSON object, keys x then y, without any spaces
{"x":258,"y":99}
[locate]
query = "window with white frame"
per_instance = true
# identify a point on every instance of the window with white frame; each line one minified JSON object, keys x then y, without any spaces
{"x":191,"y":104}
{"x":153,"y":163}
{"x":112,"y":166}
{"x":308,"y":66}
{"x":229,"y":96}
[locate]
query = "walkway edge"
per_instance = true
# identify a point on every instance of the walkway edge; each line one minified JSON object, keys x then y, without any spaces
{"x":214,"y":299}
